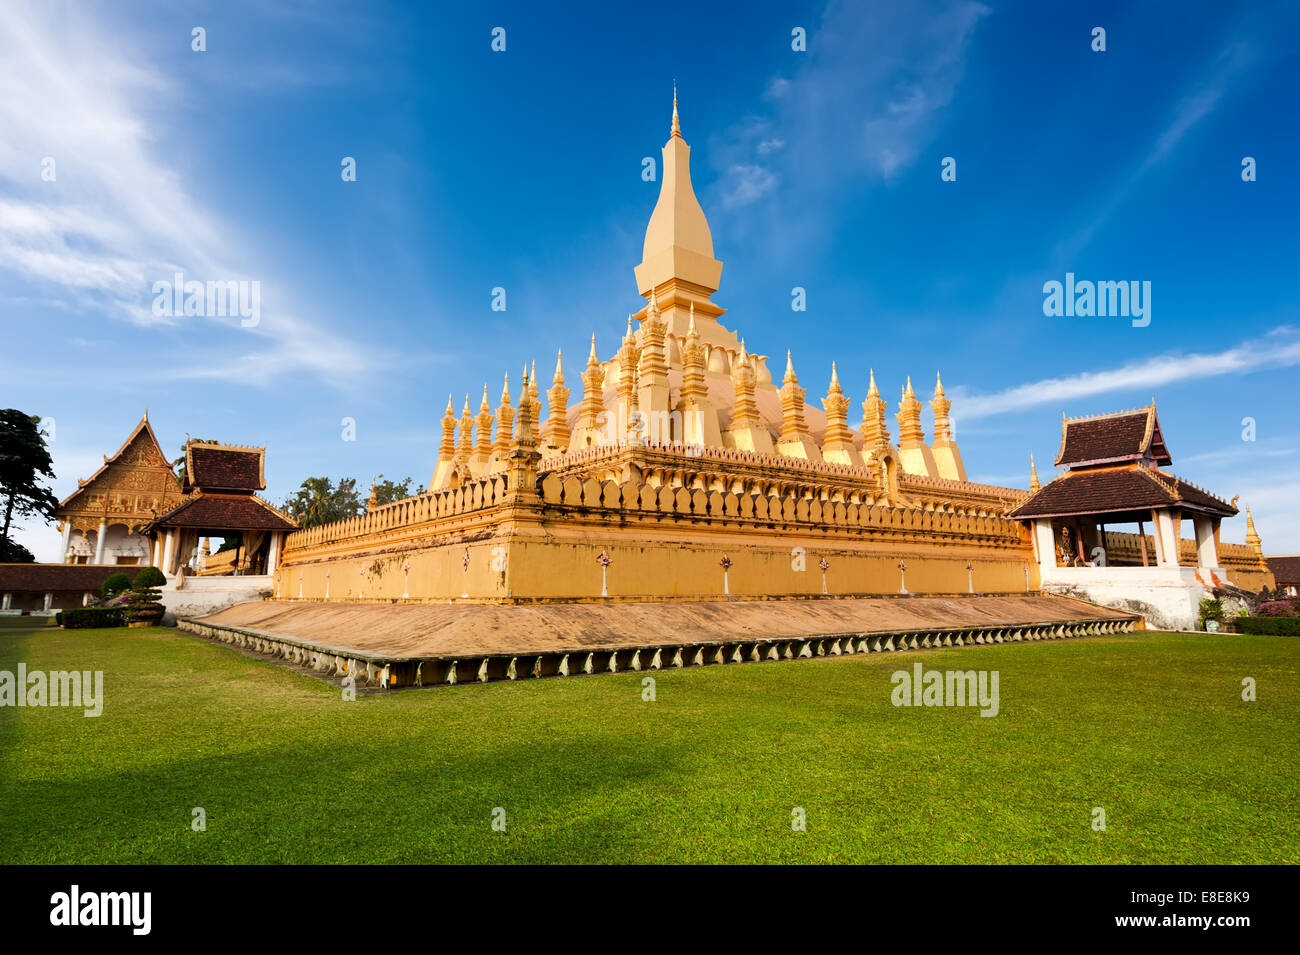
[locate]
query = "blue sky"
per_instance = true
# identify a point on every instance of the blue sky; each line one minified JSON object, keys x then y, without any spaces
{"x":522,"y":169}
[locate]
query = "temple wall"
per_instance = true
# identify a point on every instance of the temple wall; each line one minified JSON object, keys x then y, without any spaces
{"x":1244,"y":566}
{"x":663,"y":541}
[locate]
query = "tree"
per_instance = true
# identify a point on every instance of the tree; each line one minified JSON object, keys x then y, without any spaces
{"x":388,"y":491}
{"x":24,"y":461}
{"x":319,"y":501}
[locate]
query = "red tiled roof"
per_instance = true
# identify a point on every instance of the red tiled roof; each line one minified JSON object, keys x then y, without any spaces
{"x":235,"y":512}
{"x":1286,"y":570}
{"x":57,"y":578}
{"x":1116,"y":490}
{"x":218,"y":467}
{"x":1108,"y":439}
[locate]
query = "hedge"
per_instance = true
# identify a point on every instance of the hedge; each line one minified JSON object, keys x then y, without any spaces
{"x":87,"y":618}
{"x":1274,"y":626}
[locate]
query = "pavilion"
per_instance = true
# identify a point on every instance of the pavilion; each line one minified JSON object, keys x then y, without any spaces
{"x":1114,"y":475}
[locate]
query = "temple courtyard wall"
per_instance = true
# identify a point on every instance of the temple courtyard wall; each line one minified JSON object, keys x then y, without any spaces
{"x":480,"y":542}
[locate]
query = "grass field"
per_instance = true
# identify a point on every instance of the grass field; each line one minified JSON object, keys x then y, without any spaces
{"x":1149,"y":727}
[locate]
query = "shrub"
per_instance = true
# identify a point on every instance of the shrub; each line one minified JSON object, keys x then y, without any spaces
{"x":84,"y":618}
{"x":1211,"y":609}
{"x":1275,"y":608}
{"x":148,"y":578}
{"x":1274,"y":626}
{"x":115,"y":584}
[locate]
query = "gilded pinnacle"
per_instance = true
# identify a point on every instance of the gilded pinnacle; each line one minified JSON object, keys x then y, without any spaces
{"x":872,"y":390}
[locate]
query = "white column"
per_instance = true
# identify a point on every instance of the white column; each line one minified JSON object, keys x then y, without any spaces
{"x":1206,"y":553}
{"x":5,"y":600}
{"x":273,"y":552}
{"x":155,"y":552}
{"x":67,"y":538}
{"x":169,"y":545}
{"x":1167,"y":537}
{"x":1045,"y":543}
{"x":99,"y":542}
{"x":49,"y":602}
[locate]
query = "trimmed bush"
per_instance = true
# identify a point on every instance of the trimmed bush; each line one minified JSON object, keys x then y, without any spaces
{"x":1272,"y":626}
{"x":115,"y":584}
{"x":148,"y":578}
{"x":92,"y":618}
{"x":1275,"y":608}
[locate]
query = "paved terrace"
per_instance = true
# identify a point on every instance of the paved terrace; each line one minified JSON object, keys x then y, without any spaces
{"x":395,"y":645}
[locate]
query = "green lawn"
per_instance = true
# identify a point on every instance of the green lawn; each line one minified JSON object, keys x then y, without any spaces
{"x":1150,"y":727}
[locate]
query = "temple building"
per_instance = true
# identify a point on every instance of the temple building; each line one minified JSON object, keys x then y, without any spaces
{"x":683,"y":379}
{"x":103,"y":521}
{"x":220,"y":498}
{"x":1115,"y":476}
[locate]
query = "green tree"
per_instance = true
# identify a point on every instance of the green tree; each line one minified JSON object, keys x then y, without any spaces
{"x":24,"y":462}
{"x":320,"y":501}
{"x":388,"y":491}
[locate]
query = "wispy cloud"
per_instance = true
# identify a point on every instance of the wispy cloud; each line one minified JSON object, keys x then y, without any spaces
{"x":1199,"y":102}
{"x":117,"y":216}
{"x":1280,"y":348}
{"x":861,"y":105}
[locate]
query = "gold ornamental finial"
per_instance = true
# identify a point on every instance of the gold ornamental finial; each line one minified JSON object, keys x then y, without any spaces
{"x":591,"y":356}
{"x":677,"y":126}
{"x":558,"y":378}
{"x":938,"y":385}
{"x":835,"y":379}
{"x":1034,"y":484}
{"x":872,"y":390}
{"x":505,"y":391}
{"x":483,"y":405}
{"x":789,"y":370}
{"x":908,"y":390}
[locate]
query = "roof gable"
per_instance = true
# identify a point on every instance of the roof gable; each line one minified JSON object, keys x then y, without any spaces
{"x":224,"y":467}
{"x":1112,"y":439}
{"x":141,"y":449}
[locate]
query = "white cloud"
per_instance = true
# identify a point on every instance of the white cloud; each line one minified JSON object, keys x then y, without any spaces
{"x":1279,"y":349}
{"x":118,"y":216}
{"x":745,"y":183}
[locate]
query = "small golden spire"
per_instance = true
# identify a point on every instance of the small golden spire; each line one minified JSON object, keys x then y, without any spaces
{"x":558,"y":378}
{"x":789,"y":370}
{"x":1034,"y":484}
{"x":483,"y":405}
{"x":677,"y":126}
{"x":872,"y":390}
{"x":938,"y":385}
{"x":505,"y":390}
{"x":591,"y":356}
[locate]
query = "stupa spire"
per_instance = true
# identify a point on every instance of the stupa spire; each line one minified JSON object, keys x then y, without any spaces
{"x":678,"y":243}
{"x":1035,"y":485}
{"x":505,"y":421}
{"x":556,"y":435}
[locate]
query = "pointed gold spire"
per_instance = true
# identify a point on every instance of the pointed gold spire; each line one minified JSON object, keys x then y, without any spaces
{"x":1035,"y":485}
{"x":505,"y":424}
{"x":558,"y":377}
{"x":505,"y":390}
{"x":677,"y":125}
{"x":872,"y":390}
{"x":790,"y":377}
{"x":591,"y":356}
{"x":536,"y":397}
{"x":1252,"y":535}
{"x":938,"y":385}
{"x":483,"y":405}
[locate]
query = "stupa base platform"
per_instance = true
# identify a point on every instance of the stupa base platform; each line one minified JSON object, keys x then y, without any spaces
{"x":395,"y":645}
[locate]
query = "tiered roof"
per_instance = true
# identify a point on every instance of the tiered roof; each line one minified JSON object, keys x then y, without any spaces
{"x":1114,"y":463}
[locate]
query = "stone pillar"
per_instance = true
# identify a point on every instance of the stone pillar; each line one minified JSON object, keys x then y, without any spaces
{"x":273,"y":552}
{"x":99,"y":542}
{"x":155,"y":552}
{"x":1207,"y":553}
{"x":49,"y":602}
{"x":169,"y":546}
{"x":67,"y":539}
{"x":1166,"y":528}
{"x":1046,"y":544}
{"x":5,"y":601}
